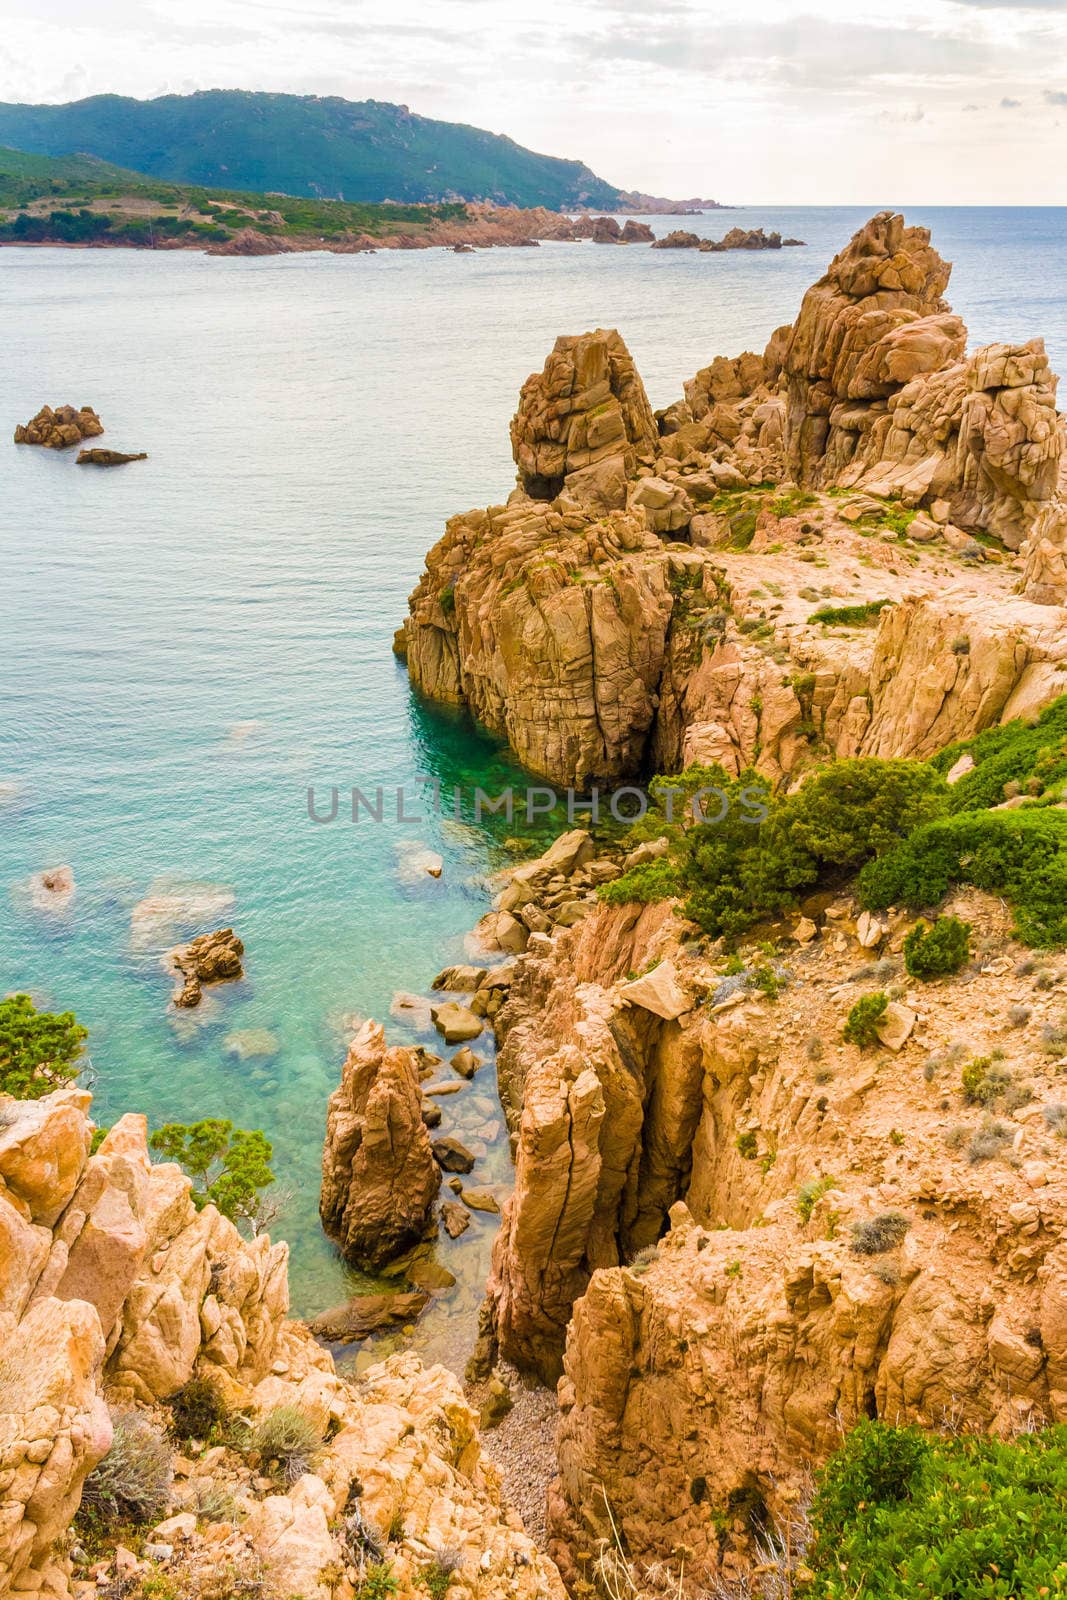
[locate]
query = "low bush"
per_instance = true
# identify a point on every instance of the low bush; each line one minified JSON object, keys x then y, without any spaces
{"x":856,"y":616}
{"x":437,"y":1577}
{"x":983,"y":1081}
{"x":933,"y":950}
{"x":288,"y":1438}
{"x":132,"y":1483}
{"x":198,"y":1410}
{"x":899,"y":1515}
{"x":1020,"y":855}
{"x":861,"y":1027}
{"x":879,"y":1234}
{"x":810,"y":1193}
{"x":989,"y":1141}
{"x":1033,"y":757}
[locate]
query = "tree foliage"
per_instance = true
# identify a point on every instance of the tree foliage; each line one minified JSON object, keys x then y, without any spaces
{"x":230,"y":1167}
{"x":38,"y":1049}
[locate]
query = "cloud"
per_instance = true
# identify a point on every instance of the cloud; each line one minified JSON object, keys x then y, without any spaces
{"x":1056,"y":97}
{"x":1008,"y":104}
{"x":1015,"y":5}
{"x":805,"y":52}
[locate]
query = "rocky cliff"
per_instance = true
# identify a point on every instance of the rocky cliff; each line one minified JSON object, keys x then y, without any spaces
{"x":735,"y":1234}
{"x":647,"y":594}
{"x":114,"y":1292}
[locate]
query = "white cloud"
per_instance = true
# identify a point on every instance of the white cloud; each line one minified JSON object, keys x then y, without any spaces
{"x":778,"y":100}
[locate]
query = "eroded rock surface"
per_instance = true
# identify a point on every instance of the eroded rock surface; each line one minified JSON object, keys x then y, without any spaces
{"x":379,"y":1176}
{"x":111,"y":1280}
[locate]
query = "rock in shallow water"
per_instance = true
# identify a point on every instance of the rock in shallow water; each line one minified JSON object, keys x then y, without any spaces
{"x":366,"y":1314}
{"x":61,"y":428}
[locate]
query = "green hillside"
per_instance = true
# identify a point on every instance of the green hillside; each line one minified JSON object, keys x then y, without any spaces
{"x":25,"y":177}
{"x":331,"y":148}
{"x":82,"y":200}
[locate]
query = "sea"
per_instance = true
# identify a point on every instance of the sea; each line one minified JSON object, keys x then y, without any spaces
{"x":191,"y":643}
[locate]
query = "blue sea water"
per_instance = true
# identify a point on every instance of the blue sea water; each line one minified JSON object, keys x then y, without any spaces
{"x":187,"y":644}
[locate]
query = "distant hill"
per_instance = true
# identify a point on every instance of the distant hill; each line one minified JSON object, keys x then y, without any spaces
{"x":24,"y":177}
{"x":365,"y":150}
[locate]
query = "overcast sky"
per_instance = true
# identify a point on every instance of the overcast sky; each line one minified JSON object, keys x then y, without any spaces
{"x":920,"y":101}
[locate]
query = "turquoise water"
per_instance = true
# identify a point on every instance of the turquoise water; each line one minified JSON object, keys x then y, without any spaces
{"x":190,"y":642}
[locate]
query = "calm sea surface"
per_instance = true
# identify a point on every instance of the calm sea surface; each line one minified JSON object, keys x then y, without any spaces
{"x":188,"y":643}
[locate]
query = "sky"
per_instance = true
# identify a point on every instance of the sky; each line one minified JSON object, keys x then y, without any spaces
{"x":773,"y":101}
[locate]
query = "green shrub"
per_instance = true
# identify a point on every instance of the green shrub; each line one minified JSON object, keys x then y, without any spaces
{"x":1020,"y":855}
{"x":288,"y":1437}
{"x":983,"y":1080}
{"x":811,"y":1192}
{"x":932,"y":950}
{"x":652,"y":880}
{"x":738,"y":870}
{"x":38,"y":1049}
{"x":132,"y":1482}
{"x":861,"y":1028}
{"x":437,"y":1577}
{"x":198,"y":1410}
{"x":230,"y":1167}
{"x":746,"y":1144}
{"x":1027,"y":755}
{"x":878,"y":1234}
{"x":377,"y":1583}
{"x":447,"y":597}
{"x":856,"y":616}
{"x":898,"y":1516}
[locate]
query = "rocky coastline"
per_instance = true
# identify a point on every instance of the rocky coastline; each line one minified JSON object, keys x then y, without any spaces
{"x":789,"y":1153}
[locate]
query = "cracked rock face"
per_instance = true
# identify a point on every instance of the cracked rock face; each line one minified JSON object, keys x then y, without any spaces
{"x":734,"y":1233}
{"x":587,"y":408}
{"x":379,"y":1176}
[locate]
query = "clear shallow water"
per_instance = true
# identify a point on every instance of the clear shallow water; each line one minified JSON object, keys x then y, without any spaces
{"x":188,"y":643}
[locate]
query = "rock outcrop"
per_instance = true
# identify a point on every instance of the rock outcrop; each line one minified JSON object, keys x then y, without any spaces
{"x":61,"y":428}
{"x":379,"y":1176}
{"x":734,"y":239}
{"x":582,"y":422}
{"x":112,"y":1282}
{"x":613,"y":616}
{"x":108,"y":458}
{"x":1045,"y":552}
{"x":880,"y":393}
{"x":211,"y":958}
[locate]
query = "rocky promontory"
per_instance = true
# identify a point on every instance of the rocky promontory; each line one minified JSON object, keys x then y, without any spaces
{"x":614,"y":612}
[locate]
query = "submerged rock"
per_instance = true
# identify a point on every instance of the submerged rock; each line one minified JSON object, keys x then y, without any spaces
{"x":108,"y":458}
{"x":452,"y":1154}
{"x":365,"y":1314}
{"x":457,"y":1023}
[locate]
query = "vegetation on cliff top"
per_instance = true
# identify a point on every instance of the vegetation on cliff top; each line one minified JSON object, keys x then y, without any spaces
{"x":230,"y":1167}
{"x":908,"y":834}
{"x":365,"y":150}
